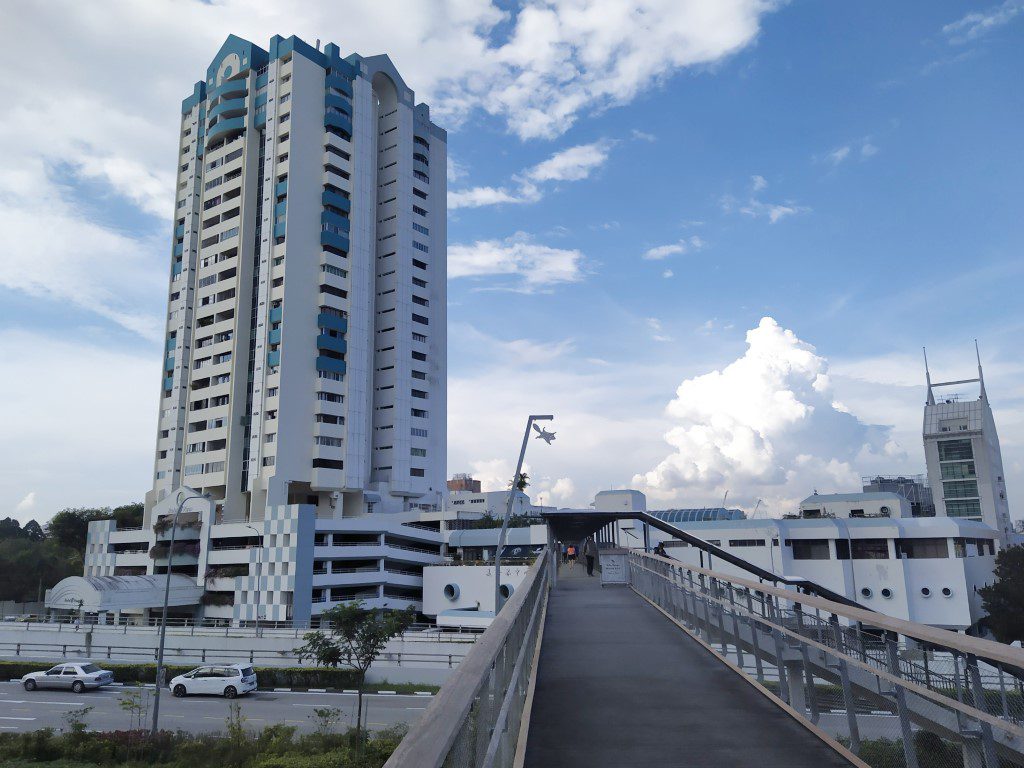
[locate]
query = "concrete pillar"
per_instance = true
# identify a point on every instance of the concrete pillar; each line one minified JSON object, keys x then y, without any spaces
{"x":795,"y":686}
{"x":974,"y":755}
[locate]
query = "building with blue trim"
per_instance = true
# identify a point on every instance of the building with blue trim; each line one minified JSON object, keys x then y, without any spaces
{"x":304,"y":377}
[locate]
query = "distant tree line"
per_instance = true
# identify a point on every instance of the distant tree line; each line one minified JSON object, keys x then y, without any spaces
{"x":34,"y":558}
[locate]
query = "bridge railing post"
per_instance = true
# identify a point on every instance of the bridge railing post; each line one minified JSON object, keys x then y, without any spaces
{"x":735,"y":626}
{"x":810,"y":690}
{"x":988,"y":744}
{"x":780,"y":654}
{"x":909,"y":752}
{"x":849,"y":700}
{"x":755,"y":640}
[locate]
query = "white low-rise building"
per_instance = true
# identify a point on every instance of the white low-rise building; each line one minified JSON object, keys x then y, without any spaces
{"x":926,"y":570}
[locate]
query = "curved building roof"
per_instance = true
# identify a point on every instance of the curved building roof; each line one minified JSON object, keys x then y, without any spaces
{"x":93,"y":594}
{"x":701,"y":515}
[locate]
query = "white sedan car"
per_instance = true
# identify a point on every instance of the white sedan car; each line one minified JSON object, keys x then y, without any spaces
{"x":228,"y":681}
{"x":74,"y":676}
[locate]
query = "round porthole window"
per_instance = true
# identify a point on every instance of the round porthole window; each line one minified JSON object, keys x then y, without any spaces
{"x":506,"y":591}
{"x":887,"y":593}
{"x":866,"y":592}
{"x":925,"y":592}
{"x":451,"y":592}
{"x":947,"y":592}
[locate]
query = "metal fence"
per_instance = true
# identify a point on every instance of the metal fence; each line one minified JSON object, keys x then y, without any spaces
{"x":896,"y":693}
{"x":474,"y":721}
{"x":79,"y":647}
{"x":419,"y":632}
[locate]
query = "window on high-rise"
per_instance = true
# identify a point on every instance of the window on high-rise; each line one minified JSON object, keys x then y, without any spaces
{"x":955,"y":450}
{"x":967,"y":508}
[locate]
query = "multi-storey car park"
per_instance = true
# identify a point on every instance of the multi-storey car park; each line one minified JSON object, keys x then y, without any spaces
{"x":304,"y":384}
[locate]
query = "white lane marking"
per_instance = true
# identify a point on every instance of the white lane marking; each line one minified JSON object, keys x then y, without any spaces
{"x":305,"y":705}
{"x":46,"y":701}
{"x":415,"y":707}
{"x":343,"y":693}
{"x":18,"y":718}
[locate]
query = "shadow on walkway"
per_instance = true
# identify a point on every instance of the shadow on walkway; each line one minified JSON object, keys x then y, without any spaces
{"x":620,"y":685}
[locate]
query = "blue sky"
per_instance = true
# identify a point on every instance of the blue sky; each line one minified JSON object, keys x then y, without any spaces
{"x":671,"y":174}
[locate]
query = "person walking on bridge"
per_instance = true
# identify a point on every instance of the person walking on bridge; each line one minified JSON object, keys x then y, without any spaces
{"x":590,"y":552}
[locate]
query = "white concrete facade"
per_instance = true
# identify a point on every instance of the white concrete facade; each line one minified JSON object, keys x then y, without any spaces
{"x":306,"y":339}
{"x":920,"y":569}
{"x":305,"y":369}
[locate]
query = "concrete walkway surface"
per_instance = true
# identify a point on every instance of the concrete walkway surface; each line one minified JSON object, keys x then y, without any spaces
{"x":620,"y":685}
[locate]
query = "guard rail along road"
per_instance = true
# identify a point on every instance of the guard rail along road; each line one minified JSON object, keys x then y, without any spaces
{"x":476,"y":719}
{"x":896,"y":693}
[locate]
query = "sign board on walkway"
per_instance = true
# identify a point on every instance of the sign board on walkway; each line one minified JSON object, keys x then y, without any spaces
{"x":614,"y":566}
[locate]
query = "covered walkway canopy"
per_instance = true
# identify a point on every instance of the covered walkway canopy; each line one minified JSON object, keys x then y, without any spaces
{"x":577,"y":524}
{"x":97,"y":594}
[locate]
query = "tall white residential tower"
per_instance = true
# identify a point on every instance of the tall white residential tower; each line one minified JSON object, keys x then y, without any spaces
{"x":305,"y":357}
{"x":304,"y":384}
{"x":961,"y":448}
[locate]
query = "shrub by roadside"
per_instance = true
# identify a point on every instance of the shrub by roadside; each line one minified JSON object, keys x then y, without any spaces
{"x":276,"y":746}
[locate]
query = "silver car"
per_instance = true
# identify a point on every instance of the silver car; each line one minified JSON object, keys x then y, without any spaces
{"x":73,"y":676}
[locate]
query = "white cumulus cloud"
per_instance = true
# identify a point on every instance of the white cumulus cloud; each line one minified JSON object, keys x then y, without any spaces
{"x":765,"y":426}
{"x":532,"y":265}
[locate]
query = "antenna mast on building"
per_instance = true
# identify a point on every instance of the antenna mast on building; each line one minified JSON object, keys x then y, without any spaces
{"x":981,"y":376}
{"x":928,"y":377}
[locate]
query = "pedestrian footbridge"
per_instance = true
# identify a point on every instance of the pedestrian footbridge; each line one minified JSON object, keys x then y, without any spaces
{"x":686,"y":666}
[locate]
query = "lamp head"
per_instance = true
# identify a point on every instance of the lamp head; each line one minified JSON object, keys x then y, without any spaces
{"x":543,"y":434}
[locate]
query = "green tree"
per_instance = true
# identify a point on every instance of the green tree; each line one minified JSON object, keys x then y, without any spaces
{"x":33,"y":531}
{"x":356,"y":637}
{"x":523,"y":481}
{"x":1004,"y":600}
{"x":27,"y":566}
{"x":70,"y":527}
{"x":128,"y":515}
{"x":10,"y":529}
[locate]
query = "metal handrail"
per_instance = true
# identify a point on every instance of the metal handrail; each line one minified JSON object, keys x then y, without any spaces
{"x":463,"y":709}
{"x":969,"y":694}
{"x":933,"y":636}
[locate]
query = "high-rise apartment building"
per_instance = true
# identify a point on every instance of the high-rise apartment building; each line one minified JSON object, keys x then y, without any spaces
{"x":305,"y":346}
{"x":961,"y":448}
{"x":304,"y":384}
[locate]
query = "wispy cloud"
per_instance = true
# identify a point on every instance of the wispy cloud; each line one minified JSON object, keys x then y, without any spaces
{"x":756,"y":208}
{"x":657,"y":332}
{"x":862,"y":148}
{"x":572,"y":164}
{"x":836,"y":156}
{"x":643,"y":135}
{"x":979,"y":23}
{"x":532,"y":266}
{"x":659,"y":252}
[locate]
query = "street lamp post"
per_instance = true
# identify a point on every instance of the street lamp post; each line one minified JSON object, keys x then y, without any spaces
{"x":183,"y":496}
{"x":259,"y":577}
{"x":547,"y":437}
